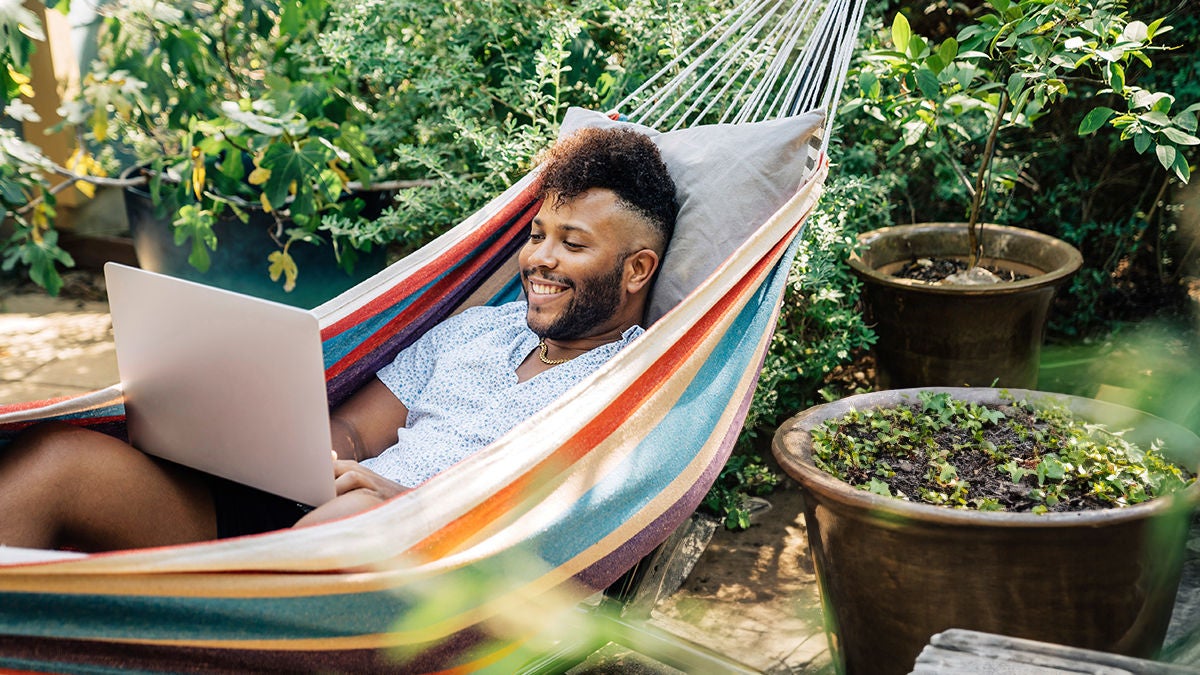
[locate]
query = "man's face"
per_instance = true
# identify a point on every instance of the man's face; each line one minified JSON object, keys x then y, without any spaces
{"x":573,"y":266}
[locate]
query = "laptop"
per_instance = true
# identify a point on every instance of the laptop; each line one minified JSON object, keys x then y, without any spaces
{"x":226,"y":383}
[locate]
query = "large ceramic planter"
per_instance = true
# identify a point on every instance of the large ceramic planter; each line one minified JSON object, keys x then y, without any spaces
{"x":893,"y":573}
{"x":240,"y":261}
{"x":959,"y":335}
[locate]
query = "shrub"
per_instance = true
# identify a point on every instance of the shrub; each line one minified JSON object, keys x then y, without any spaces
{"x":1108,"y":200}
{"x":475,"y":89}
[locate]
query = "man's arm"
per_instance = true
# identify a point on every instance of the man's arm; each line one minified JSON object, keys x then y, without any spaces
{"x":365,"y":424}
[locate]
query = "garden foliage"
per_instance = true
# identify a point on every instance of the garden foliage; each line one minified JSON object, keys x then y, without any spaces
{"x":1020,"y":456}
{"x":288,"y":105}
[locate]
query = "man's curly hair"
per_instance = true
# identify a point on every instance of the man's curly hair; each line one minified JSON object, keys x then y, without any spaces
{"x":622,"y":160}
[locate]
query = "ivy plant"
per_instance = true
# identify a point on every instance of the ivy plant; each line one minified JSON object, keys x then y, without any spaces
{"x":1020,"y":456}
{"x":744,"y":475}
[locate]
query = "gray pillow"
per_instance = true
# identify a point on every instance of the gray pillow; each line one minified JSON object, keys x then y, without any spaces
{"x":729,"y":178}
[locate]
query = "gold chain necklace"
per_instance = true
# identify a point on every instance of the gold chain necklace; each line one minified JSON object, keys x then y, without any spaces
{"x":543,"y":352}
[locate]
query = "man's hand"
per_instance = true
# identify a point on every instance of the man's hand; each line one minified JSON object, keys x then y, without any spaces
{"x":350,"y":476}
{"x":358,"y":489}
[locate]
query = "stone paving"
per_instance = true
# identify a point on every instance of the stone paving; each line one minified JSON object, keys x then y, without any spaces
{"x":52,"y":347}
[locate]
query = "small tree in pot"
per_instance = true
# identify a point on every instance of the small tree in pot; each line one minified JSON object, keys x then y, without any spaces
{"x":1005,"y":71}
{"x":968,"y":102}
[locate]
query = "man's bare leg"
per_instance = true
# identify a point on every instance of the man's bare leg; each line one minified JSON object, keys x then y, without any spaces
{"x":63,"y":486}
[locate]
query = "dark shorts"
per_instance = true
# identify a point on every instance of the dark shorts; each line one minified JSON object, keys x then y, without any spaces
{"x":244,"y":510}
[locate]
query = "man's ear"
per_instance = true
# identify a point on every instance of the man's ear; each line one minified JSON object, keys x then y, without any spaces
{"x":639,"y":269}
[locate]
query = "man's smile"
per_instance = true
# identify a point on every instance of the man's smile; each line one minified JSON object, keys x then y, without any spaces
{"x":543,"y":289}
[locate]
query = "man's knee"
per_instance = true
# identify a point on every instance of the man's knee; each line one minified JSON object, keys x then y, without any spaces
{"x":58,"y":447}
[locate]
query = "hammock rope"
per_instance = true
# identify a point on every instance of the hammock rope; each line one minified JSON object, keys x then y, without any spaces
{"x":765,"y":59}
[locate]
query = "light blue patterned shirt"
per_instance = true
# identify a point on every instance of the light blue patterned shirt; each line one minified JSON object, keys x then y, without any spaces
{"x":459,"y":383}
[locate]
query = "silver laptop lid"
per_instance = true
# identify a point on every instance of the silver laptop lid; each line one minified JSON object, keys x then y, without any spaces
{"x":223,"y":382}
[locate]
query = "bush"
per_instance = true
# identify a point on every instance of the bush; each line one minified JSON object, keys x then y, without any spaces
{"x":476,"y":89}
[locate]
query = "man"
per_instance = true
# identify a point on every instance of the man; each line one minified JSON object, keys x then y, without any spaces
{"x":607,"y":214}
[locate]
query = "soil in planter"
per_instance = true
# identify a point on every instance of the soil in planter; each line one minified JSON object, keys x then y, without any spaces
{"x":1014,"y":457}
{"x":933,"y":270}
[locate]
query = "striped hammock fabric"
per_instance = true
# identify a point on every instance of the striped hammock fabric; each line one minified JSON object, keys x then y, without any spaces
{"x":475,"y":569}
{"x":446,"y":576}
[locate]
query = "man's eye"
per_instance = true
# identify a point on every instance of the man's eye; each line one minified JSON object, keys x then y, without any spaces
{"x":572,"y":245}
{"x":536,"y":237}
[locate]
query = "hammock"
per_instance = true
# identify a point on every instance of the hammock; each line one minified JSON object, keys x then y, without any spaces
{"x":451,"y":575}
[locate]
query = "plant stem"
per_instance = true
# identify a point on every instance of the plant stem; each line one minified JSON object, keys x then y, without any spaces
{"x":989,"y":150}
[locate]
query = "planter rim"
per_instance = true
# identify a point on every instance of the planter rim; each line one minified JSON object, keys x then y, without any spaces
{"x":1074,"y":260}
{"x":794,"y":433}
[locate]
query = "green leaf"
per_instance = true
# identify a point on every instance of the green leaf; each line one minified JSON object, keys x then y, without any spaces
{"x":231,"y":166}
{"x":301,"y":166}
{"x":868,"y":84}
{"x":1094,"y":120}
{"x":1153,"y":100}
{"x":1152,"y":29}
{"x":947,"y":473}
{"x":291,"y":18}
{"x":1050,"y":468}
{"x":948,"y":50}
{"x":928,"y":83}
{"x":1166,"y":155}
{"x":901,"y":32}
{"x":198,"y":257}
{"x":1185,"y":121}
{"x":1142,"y":141}
{"x":1180,"y":137}
{"x":917,"y":46}
{"x":876,"y":486}
{"x":1155,"y":118}
{"x":194,"y":223}
{"x":10,"y":192}
{"x":1181,"y":167}
{"x":1116,"y":77}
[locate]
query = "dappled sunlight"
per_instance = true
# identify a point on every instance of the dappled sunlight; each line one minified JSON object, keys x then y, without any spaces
{"x":58,"y":353}
{"x":754,"y":592}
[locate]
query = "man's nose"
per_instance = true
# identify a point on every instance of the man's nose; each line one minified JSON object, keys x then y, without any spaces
{"x":542,"y":254}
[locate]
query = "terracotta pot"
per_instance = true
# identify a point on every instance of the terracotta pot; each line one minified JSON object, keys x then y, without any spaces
{"x":893,"y":573}
{"x":958,"y":335}
{"x":240,"y":261}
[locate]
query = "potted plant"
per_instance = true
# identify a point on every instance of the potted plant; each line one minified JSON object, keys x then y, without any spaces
{"x":233,"y":127}
{"x":922,"y":542}
{"x":969,"y":101}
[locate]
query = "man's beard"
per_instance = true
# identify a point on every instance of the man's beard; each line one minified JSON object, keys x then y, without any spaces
{"x":595,"y":301}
